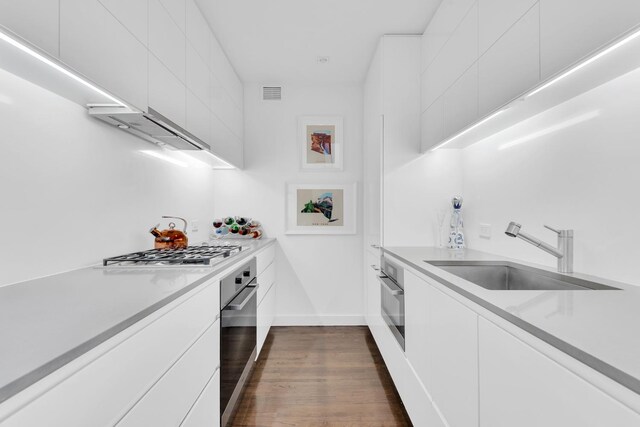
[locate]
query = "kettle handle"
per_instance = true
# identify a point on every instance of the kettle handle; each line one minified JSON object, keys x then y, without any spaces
{"x":181,"y":219}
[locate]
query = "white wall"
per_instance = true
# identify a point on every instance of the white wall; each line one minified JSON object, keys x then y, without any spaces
{"x":319,"y":277}
{"x":75,"y":190}
{"x":574,"y":166}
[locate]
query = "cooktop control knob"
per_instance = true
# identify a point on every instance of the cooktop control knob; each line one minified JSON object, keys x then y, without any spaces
{"x":238,"y":280}
{"x":246,"y":273}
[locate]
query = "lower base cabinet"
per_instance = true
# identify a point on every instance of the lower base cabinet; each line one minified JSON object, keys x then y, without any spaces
{"x":170,"y":399}
{"x":520,"y":386}
{"x":266,"y":314}
{"x":206,"y":411}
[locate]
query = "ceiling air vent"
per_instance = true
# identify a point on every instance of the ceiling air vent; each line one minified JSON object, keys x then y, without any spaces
{"x":271,"y":93}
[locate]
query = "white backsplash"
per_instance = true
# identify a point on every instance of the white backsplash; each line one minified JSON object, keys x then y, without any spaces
{"x":75,"y":190}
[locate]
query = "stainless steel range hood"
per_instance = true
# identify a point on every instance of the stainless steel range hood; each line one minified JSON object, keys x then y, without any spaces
{"x":151,"y":126}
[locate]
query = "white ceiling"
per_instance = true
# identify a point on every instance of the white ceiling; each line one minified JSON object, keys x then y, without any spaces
{"x":278,"y":41}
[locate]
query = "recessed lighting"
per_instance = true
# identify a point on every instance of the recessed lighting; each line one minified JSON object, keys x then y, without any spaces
{"x":323,"y":59}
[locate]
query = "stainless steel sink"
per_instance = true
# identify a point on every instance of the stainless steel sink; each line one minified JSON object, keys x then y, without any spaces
{"x":507,"y":276}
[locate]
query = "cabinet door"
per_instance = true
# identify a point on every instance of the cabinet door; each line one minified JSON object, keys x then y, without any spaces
{"x":166,"y":40}
{"x":496,"y":17}
{"x":373,"y":132}
{"x":432,"y":125}
{"x":373,"y":314}
{"x":461,"y":102}
{"x":197,"y":118}
{"x":266,"y":314}
{"x":34,"y":20}
{"x":167,"y":94}
{"x":206,"y":411}
{"x":455,"y":57}
{"x":95,"y":43}
{"x":521,"y":387}
{"x":442,"y":347}
{"x":570,"y":29}
{"x":133,"y":14}
{"x":442,"y":26}
{"x":512,"y":64}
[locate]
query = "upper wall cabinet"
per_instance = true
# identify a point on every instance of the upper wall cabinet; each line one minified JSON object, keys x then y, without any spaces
{"x":442,"y":26}
{"x":511,"y":65}
{"x":571,"y":29}
{"x":455,"y":57}
{"x":148,"y":53}
{"x":134,"y":15}
{"x":96,"y":44}
{"x":34,"y":20}
{"x":496,"y":17}
{"x":167,"y":40}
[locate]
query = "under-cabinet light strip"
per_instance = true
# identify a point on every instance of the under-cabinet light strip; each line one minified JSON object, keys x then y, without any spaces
{"x":52,"y":64}
{"x":464,"y":132}
{"x":585,"y":63}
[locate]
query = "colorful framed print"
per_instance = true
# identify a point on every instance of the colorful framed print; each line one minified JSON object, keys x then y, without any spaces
{"x":321,"y":142}
{"x":321,"y":209}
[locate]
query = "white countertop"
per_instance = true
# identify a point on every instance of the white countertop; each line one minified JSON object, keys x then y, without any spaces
{"x":601,"y":328}
{"x":48,"y":322}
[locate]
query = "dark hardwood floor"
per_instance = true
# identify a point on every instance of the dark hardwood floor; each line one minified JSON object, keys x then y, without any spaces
{"x":320,"y":376}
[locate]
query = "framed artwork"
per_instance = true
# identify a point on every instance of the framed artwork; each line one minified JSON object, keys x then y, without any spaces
{"x":321,"y":209}
{"x":320,"y":141}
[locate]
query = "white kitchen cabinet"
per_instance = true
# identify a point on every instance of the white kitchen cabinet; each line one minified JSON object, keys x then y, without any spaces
{"x":198,"y":77}
{"x":571,"y":29}
{"x":224,"y":142}
{"x":225,"y":74}
{"x":96,"y":44}
{"x":497,"y":16}
{"x":170,"y":399}
{"x":34,"y":20}
{"x":461,"y":103}
{"x":206,"y":411}
{"x":266,"y":295}
{"x":455,"y":57}
{"x":442,"y":346}
{"x":266,"y":316}
{"x":167,"y":40}
{"x":167,"y":94}
{"x":133,"y":14}
{"x":512,"y":65}
{"x":104,"y":384}
{"x":177,"y":11}
{"x":197,"y":118}
{"x":443,"y":24}
{"x":521,"y":387}
{"x":372,"y":292}
{"x":432,"y":125}
{"x":372,"y":152}
{"x":198,"y":32}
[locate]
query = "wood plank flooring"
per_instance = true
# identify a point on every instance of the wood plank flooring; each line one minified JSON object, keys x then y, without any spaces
{"x":320,"y":376}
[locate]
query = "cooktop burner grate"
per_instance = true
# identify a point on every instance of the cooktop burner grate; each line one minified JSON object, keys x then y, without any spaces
{"x":192,"y":255}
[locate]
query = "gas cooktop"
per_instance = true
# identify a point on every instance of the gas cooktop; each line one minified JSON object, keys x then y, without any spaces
{"x":190,"y":256}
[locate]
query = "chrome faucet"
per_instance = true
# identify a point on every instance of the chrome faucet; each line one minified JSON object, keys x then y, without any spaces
{"x":564,"y":252}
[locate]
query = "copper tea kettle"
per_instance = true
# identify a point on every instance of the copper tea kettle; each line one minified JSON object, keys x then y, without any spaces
{"x":170,"y":238}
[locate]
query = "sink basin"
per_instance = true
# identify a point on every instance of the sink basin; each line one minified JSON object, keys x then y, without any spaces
{"x":507,"y":276}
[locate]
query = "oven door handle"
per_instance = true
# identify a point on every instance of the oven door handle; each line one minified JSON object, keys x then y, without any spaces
{"x":392,"y":288}
{"x":240,"y":306}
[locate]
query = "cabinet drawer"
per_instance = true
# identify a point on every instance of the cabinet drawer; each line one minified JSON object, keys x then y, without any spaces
{"x":103,"y":391}
{"x":168,"y":402}
{"x":266,"y":280}
{"x":206,"y":411}
{"x":264,"y":258}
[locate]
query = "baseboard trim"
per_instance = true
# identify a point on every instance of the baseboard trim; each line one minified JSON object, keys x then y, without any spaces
{"x":319,"y":320}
